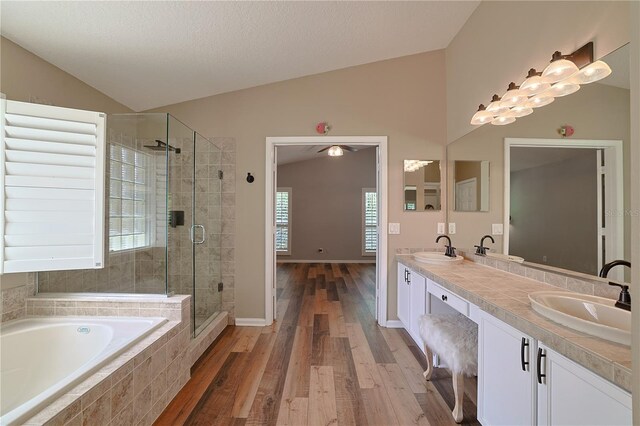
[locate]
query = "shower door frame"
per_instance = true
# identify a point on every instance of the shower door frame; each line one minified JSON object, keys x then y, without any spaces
{"x":270,"y":187}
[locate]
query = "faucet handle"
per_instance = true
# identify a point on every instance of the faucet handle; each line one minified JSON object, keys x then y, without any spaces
{"x":624,"y":299}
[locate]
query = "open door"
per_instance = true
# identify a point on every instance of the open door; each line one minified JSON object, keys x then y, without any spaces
{"x":610,"y":210}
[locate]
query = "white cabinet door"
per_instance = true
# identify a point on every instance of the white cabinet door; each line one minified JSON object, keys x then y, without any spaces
{"x":572,"y":395}
{"x":417,"y":302}
{"x":404,"y":307}
{"x":505,"y":374}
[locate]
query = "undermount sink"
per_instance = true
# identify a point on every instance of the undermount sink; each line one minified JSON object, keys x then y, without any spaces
{"x":436,"y":258}
{"x":507,"y":257}
{"x":593,"y":315}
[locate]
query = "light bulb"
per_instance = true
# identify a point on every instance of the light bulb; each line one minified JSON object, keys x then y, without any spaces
{"x":592,"y":72}
{"x":539,"y":100}
{"x":335,"y":151}
{"x":559,"y":70}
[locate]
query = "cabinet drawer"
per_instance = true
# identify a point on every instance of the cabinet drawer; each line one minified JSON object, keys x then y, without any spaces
{"x":449,"y":298}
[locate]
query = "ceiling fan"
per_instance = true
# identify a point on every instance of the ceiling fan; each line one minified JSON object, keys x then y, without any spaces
{"x":337,"y":150}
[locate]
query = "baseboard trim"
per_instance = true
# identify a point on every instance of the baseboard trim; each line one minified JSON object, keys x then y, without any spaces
{"x":394,"y":324}
{"x":325,"y":261}
{"x":251,"y":322}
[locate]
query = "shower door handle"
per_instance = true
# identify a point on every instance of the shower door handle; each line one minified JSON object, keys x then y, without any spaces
{"x":193,"y":234}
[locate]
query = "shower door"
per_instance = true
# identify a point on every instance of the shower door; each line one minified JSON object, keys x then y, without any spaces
{"x":206,"y":230}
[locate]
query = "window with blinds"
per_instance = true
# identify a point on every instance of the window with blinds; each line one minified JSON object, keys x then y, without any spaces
{"x":283,"y":221}
{"x":52,"y":181}
{"x":129,"y":183}
{"x":369,"y":221}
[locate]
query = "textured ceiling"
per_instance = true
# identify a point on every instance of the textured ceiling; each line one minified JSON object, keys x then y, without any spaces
{"x":150,"y":54}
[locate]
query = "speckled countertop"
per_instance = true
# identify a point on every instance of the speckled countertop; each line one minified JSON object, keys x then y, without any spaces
{"x":505,"y":296}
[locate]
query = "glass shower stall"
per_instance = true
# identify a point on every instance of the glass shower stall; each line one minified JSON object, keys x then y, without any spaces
{"x":163,"y":208}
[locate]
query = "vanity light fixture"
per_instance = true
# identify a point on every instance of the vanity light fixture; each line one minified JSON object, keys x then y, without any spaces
{"x":335,"y":151}
{"x":562,"y":77}
{"x":482,"y":116}
{"x":415,"y":165}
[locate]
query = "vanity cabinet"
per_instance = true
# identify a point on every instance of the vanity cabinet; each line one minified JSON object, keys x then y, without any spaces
{"x":411,"y":300}
{"x":505,"y":374}
{"x":569,"y":394}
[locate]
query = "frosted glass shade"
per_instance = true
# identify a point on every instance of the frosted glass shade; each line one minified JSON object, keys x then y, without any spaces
{"x":335,"y":151}
{"x":519,"y":111}
{"x":559,"y":70}
{"x":539,"y":100}
{"x":512,"y":97}
{"x":503,"y":120}
{"x":592,"y":72}
{"x":482,"y":117}
{"x":496,"y":108}
{"x":562,"y":88}
{"x":534,"y":85}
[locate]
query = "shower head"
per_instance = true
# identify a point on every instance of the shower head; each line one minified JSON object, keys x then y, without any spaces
{"x":161,"y":146}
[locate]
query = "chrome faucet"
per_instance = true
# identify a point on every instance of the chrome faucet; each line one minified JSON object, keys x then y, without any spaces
{"x":450,"y":250}
{"x":624,"y":300}
{"x":481,"y":250}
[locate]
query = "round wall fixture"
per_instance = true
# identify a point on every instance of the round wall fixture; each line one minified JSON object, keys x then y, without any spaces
{"x":250,"y":177}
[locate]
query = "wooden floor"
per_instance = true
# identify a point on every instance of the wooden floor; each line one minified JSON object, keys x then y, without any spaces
{"x":323,"y":362}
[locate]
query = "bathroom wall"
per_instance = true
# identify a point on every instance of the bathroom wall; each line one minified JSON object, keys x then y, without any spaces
{"x":327,"y":205}
{"x":400,"y":98}
{"x":502,"y":40}
{"x":538,"y":230}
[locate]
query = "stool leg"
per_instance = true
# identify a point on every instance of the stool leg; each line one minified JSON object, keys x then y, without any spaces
{"x":458,"y":390}
{"x":429,"y":355}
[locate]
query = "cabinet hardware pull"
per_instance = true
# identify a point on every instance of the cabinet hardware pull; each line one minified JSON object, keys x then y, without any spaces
{"x":409,"y":277}
{"x":541,"y":355}
{"x":444,"y":298}
{"x":524,"y":344}
{"x":406,"y":273}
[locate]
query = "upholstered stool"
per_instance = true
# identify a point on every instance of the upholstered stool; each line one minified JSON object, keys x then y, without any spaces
{"x":454,"y":338}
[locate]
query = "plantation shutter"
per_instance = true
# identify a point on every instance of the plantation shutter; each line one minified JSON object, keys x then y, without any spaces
{"x":370,"y":221}
{"x":52,"y":182}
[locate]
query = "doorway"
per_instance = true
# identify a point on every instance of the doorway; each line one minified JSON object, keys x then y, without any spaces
{"x":275,"y":231}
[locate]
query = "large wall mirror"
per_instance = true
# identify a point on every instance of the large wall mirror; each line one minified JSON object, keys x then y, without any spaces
{"x":422,"y":188}
{"x":563,"y":201}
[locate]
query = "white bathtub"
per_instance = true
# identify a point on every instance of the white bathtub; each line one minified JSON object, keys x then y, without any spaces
{"x":42,"y":358}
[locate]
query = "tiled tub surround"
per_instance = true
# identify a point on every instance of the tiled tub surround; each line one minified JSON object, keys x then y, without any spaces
{"x":136,"y":386}
{"x":15,"y":290}
{"x":505,"y":296}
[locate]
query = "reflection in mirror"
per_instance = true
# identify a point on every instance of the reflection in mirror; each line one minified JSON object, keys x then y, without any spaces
{"x":471,"y":186}
{"x":422,"y":189}
{"x":597,"y":112}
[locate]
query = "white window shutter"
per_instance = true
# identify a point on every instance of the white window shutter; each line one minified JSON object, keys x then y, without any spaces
{"x":52,"y":182}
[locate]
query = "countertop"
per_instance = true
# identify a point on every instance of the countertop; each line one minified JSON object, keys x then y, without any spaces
{"x":505,"y":296}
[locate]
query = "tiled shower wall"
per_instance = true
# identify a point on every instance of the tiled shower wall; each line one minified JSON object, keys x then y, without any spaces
{"x":228,"y":229}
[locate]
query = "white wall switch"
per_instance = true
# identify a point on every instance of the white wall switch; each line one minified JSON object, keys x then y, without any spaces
{"x":452,"y":228}
{"x":440,"y":228}
{"x":394,"y":228}
{"x":497,"y":229}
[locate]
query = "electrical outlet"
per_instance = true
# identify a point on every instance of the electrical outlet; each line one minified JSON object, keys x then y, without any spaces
{"x":320,"y":250}
{"x":394,"y":228}
{"x":440,"y":228}
{"x":452,"y":228}
{"x":497,"y":229}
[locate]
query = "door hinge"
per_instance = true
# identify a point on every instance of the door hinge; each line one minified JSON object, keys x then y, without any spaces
{"x":220,"y":287}
{"x":220,"y":174}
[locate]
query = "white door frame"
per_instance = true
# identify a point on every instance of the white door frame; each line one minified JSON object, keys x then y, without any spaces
{"x":270,"y":187}
{"x":562,"y":143}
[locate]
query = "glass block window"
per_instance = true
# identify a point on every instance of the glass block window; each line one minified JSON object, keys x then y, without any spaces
{"x":283,"y":221}
{"x":369,"y":221}
{"x":128,"y":204}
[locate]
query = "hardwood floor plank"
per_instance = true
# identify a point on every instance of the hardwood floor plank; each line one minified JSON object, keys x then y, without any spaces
{"x":410,"y":367}
{"x":337,"y":326}
{"x":296,"y":383}
{"x":405,"y":405}
{"x":293,"y":412}
{"x":307,"y":312}
{"x":320,"y":348}
{"x":349,"y":403}
{"x":322,"y":397}
{"x":251,"y":378}
{"x":332,"y":292}
{"x":378,"y":407}
{"x":367,"y":372}
{"x":247,"y":339}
